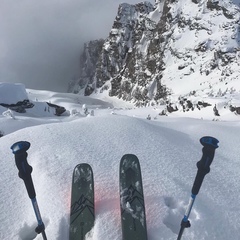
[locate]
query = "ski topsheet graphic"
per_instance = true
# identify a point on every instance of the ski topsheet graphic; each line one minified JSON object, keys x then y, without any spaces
{"x":133,"y":216}
{"x":82,"y":202}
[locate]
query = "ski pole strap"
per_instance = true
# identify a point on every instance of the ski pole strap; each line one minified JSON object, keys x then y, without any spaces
{"x":19,"y":149}
{"x":209,"y":147}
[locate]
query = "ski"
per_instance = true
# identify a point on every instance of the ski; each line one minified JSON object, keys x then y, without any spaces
{"x":132,"y":206}
{"x":82,"y":202}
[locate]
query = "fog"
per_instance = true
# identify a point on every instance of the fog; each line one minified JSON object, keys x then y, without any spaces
{"x":41,"y":41}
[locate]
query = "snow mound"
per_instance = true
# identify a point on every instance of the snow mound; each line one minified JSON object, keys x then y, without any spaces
{"x":11,"y":93}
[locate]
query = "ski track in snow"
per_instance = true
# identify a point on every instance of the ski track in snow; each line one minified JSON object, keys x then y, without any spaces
{"x":168,"y":149}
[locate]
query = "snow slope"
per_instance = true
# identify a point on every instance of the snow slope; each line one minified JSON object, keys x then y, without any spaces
{"x":167,"y":147}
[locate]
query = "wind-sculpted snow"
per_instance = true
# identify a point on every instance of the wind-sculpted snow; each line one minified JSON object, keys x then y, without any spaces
{"x":168,"y":149}
{"x":12,"y":93}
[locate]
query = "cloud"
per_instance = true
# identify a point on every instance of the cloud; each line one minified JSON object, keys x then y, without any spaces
{"x":41,"y":41}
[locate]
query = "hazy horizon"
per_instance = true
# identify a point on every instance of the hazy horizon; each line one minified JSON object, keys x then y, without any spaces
{"x":41,"y":41}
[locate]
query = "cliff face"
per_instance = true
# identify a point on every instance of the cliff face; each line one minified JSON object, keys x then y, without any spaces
{"x":175,"y":48}
{"x":88,"y":62}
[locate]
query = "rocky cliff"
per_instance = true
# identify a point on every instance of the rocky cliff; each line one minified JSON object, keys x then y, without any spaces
{"x":166,"y":52}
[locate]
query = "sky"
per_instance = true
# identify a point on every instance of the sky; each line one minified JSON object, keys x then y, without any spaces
{"x":41,"y":41}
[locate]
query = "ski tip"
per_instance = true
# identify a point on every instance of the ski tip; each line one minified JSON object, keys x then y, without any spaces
{"x":129,"y":156}
{"x":20,"y":147}
{"x":83,"y":165}
{"x":208,"y":141}
{"x":80,"y":169}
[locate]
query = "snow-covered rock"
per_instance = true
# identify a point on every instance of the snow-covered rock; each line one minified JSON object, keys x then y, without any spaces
{"x":88,"y":62}
{"x":158,"y":54}
{"x":15,"y":98}
{"x":12,"y":93}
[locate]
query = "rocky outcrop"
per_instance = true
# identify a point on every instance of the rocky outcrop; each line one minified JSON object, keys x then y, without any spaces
{"x":170,"y":49}
{"x":20,"y":106}
{"x":85,"y":84}
{"x":59,"y":110}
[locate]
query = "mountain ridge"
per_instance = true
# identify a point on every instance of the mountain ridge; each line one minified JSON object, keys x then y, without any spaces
{"x":165,"y":53}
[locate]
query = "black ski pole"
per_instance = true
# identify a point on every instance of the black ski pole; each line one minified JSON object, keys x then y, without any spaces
{"x":20,"y":151}
{"x":208,"y":150}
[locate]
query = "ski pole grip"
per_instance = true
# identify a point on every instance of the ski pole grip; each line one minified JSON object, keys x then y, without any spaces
{"x":209,"y":146}
{"x":19,"y":149}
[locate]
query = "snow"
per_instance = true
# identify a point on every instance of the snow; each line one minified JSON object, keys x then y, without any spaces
{"x":216,"y":32}
{"x":13,"y":93}
{"x":167,"y":146}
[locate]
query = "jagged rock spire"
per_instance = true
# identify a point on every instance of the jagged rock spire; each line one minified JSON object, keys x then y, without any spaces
{"x":173,"y":47}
